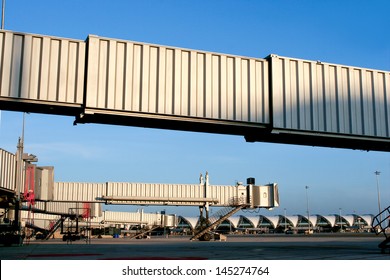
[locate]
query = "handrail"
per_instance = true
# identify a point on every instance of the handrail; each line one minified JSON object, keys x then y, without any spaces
{"x":378,"y":222}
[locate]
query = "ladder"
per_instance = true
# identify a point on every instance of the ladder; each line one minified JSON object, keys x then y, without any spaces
{"x":55,"y":227}
{"x":218,"y":218}
{"x":380,"y":224}
{"x":145,"y":231}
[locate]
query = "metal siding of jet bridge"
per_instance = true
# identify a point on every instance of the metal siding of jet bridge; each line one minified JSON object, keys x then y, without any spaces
{"x":182,"y":194}
{"x":164,"y":194}
{"x":315,"y":97}
{"x":136,"y":79}
{"x":7,"y":170}
{"x":224,"y":194}
{"x":135,"y":193}
{"x":63,"y":207}
{"x":39,"y":216}
{"x":37,"y":72}
{"x":43,"y":221}
{"x":265,"y":196}
{"x":132,"y":218}
{"x":123,"y":217}
{"x":172,"y":194}
{"x":129,"y":83}
{"x":73,"y":191}
{"x":44,"y":182}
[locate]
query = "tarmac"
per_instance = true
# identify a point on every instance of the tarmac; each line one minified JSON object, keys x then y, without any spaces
{"x":249,"y":247}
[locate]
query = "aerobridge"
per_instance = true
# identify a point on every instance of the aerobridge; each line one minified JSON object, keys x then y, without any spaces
{"x":276,"y":99}
{"x":202,"y":194}
{"x":33,"y":190}
{"x":38,"y":185}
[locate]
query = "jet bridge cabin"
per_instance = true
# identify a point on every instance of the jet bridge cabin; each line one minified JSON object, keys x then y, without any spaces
{"x":265,"y":196}
{"x":247,"y":196}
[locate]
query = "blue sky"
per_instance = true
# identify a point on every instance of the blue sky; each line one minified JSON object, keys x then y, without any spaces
{"x":352,"y":33}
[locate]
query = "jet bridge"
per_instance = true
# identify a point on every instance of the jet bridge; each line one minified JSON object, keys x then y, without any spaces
{"x":232,"y":198}
{"x":276,"y":99}
{"x":202,"y":194}
{"x":37,"y":186}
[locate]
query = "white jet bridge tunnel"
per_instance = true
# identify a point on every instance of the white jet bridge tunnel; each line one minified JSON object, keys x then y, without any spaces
{"x":39,"y":193}
{"x":231,"y":198}
{"x":276,"y":99}
{"x":37,"y":184}
{"x":201,"y":194}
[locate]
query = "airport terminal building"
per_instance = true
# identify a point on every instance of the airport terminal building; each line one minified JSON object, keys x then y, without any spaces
{"x":123,"y":224}
{"x":289,"y":224}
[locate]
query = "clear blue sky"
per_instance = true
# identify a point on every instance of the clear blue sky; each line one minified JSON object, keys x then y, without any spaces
{"x":354,"y":33}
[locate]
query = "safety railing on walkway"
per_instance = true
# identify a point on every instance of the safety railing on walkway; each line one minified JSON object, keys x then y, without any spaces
{"x":214,"y":221}
{"x":54,"y":227}
{"x":144,"y":231}
{"x":381,"y":224}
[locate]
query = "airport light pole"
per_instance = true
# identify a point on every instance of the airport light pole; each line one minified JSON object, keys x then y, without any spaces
{"x":341,"y":227}
{"x":377,"y":173}
{"x":163,"y":218}
{"x":307,"y":205}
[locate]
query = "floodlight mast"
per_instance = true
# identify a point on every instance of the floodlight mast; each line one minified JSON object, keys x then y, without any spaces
{"x":308,"y":213}
{"x":377,"y":173}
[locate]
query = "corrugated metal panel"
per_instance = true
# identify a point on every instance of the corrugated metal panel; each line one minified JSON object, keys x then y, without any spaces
{"x":96,"y":209}
{"x":320,"y":97}
{"x":153,"y":218}
{"x":39,"y":216}
{"x":150,"y":191}
{"x":224,"y":194}
{"x":131,"y":77}
{"x":41,"y":68}
{"x":132,"y":218}
{"x":53,"y":207}
{"x":107,"y":217}
{"x":122,"y":217}
{"x":42,"y":221}
{"x":7,"y":170}
{"x":70,"y":191}
{"x":44,"y":183}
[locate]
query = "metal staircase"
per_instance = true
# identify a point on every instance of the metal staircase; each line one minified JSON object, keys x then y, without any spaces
{"x":381,"y":224}
{"x":143,"y":232}
{"x":53,"y":229}
{"x":215,"y":220}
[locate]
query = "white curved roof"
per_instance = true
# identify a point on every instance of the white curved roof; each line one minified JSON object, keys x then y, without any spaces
{"x":331,"y":219}
{"x":366,"y":218}
{"x":349,"y":219}
{"x":313,"y":219}
{"x":192,"y":221}
{"x":274,"y":220}
{"x":293,"y":220}
{"x":234,"y":221}
{"x":254,"y":220}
